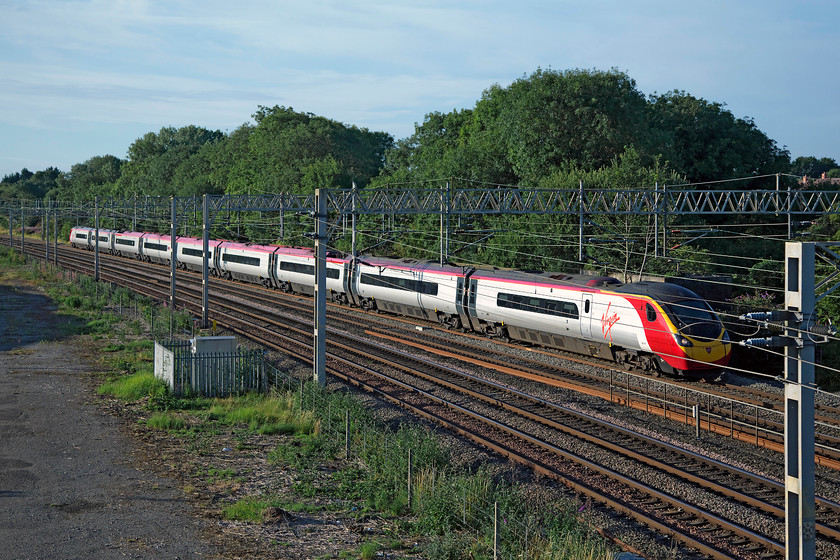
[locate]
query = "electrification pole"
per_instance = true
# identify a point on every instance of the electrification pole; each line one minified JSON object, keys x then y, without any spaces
{"x":320,"y":346}
{"x":173,"y":246}
{"x":800,"y":301}
{"x":205,"y":246}
{"x":96,"y":243}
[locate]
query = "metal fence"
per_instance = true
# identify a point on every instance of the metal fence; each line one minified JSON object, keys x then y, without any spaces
{"x":209,"y":374}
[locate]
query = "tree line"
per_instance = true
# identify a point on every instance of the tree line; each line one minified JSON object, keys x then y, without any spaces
{"x":551,"y":129}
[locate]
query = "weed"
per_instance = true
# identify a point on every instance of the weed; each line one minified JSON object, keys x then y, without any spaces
{"x":275,"y":414}
{"x":246,"y":509}
{"x":166,"y":422}
{"x":133,"y":387}
{"x":368,"y":550}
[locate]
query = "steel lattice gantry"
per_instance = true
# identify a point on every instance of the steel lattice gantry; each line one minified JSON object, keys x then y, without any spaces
{"x":673,"y":201}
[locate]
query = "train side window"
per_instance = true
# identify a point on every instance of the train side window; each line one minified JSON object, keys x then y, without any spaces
{"x":586,"y":307}
{"x":651,"y":313}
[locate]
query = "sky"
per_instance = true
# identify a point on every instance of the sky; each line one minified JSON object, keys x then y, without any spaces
{"x":85,"y":78}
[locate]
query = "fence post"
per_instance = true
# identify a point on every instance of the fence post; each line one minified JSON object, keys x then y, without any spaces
{"x":409,"y":479}
{"x":696,"y":411}
{"x":495,"y":530}
{"x":347,"y":433}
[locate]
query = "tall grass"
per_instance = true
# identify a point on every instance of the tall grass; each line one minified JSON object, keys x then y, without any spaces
{"x":266,"y":414}
{"x":133,"y":387}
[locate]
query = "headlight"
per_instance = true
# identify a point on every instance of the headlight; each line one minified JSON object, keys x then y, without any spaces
{"x":683,"y":341}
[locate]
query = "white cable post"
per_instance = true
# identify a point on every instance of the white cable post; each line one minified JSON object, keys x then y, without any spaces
{"x":800,"y":302}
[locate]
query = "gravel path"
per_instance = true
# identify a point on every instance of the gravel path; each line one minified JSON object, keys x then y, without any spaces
{"x":70,"y":486}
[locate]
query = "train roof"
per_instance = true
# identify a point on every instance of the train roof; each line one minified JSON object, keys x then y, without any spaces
{"x":196,"y":241}
{"x":249,"y":247}
{"x":414,"y":264}
{"x":660,"y":291}
{"x":550,"y":278}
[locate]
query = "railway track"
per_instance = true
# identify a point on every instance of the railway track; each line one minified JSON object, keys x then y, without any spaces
{"x":518,"y":429}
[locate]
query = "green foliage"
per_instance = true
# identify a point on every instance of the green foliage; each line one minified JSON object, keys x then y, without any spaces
{"x":272,"y":414}
{"x":766,"y":274}
{"x":828,"y":356}
{"x":813,"y":167}
{"x":296,"y":152}
{"x":10,"y":257}
{"x":368,"y":550}
{"x":166,"y":422}
{"x":28,"y":185}
{"x":154,"y":161}
{"x":133,"y":387}
{"x":706,"y":142}
{"x":95,"y":177}
{"x":247,"y":509}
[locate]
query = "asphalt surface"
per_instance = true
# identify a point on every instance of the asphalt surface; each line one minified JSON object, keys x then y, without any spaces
{"x":71,"y":485}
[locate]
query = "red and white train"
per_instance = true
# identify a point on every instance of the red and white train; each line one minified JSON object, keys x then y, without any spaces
{"x":656,"y":327}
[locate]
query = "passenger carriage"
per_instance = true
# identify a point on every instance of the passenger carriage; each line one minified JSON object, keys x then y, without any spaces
{"x":128,"y":244}
{"x":190,"y":253}
{"x":410,"y":287}
{"x":295,"y":272}
{"x":156,"y":248}
{"x":251,"y":263}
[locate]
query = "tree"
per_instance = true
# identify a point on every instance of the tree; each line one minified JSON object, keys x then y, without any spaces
{"x":153,"y":160}
{"x":28,"y":185}
{"x":289,"y":151}
{"x":705,"y":142}
{"x":620,"y":244}
{"x":95,"y":177}
{"x":812,"y":167}
{"x":577,"y":118}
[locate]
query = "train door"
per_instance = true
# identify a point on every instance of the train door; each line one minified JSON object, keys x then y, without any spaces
{"x":470,"y":298}
{"x":272,"y":280}
{"x":349,"y":281}
{"x":586,"y":316}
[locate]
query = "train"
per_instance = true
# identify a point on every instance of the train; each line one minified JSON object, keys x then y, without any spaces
{"x":654,"y":327}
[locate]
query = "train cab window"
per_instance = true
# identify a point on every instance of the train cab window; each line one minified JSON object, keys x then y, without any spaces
{"x":651,"y":313}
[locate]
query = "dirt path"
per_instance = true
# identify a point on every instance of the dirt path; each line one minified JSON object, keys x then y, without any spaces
{"x":68,"y":485}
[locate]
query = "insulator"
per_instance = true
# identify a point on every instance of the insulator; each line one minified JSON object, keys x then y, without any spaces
{"x":823,"y":330}
{"x":769,"y":342}
{"x":760,"y":316}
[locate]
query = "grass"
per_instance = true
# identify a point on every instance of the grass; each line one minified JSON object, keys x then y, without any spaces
{"x":133,"y":387}
{"x":167,"y":422}
{"x":265,"y":414}
{"x":247,"y":509}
